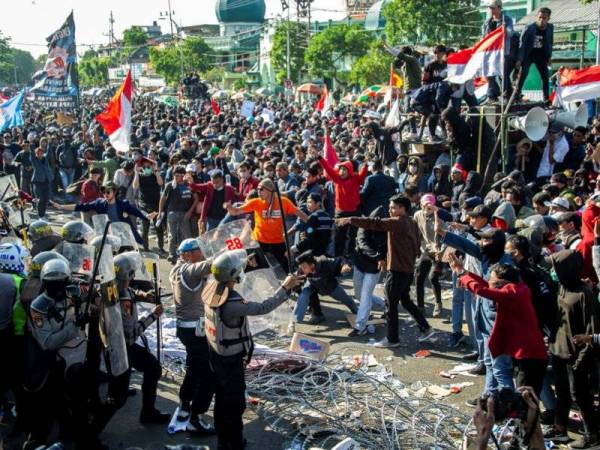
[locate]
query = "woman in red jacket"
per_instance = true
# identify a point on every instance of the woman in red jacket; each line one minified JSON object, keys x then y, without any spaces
{"x":90,"y":191}
{"x":516,"y":331}
{"x":347,"y":199}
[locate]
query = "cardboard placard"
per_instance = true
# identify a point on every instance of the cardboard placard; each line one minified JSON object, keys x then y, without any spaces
{"x":309,"y":346}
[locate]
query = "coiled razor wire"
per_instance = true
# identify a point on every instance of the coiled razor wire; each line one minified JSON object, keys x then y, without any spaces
{"x":319,"y":404}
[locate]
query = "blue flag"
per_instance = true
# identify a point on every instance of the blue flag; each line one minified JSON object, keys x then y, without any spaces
{"x":10,"y":112}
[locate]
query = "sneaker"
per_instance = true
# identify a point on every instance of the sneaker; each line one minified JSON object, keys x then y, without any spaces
{"x":426,"y":335}
{"x":555,"y":435}
{"x":154,"y":416}
{"x":437,"y":310}
{"x":585,"y":441}
{"x":384,"y":343}
{"x":316,"y":319}
{"x":456,"y":339}
{"x":473,"y":356}
{"x":473,"y":402}
{"x":357,"y":333}
{"x":200,"y":426}
{"x":479,"y":369}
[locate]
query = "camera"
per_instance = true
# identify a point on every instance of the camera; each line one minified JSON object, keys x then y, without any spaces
{"x":508,"y":404}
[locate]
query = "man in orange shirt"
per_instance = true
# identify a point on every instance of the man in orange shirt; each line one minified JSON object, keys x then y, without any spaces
{"x":268,"y":226}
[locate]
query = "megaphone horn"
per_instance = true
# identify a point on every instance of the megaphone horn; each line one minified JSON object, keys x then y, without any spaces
{"x":534,"y":124}
{"x":571,"y":119}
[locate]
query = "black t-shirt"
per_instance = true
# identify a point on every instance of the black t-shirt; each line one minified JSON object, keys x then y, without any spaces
{"x":215,"y":210}
{"x":149,"y":191}
{"x":180,"y":199}
{"x":435,"y":72}
{"x":538,"y":44}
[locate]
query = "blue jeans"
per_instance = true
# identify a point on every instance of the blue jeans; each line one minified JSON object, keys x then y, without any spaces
{"x":66,"y":177}
{"x":364,"y":285}
{"x":463,"y":299}
{"x":338,"y":294}
{"x":499,"y":371}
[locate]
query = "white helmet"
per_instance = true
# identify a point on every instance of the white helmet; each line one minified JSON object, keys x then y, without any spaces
{"x":54,"y":270}
{"x":14,"y":258}
{"x":229,"y":266}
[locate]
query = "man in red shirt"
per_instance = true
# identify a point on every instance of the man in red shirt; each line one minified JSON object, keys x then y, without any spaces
{"x":347,"y":200}
{"x":90,"y":191}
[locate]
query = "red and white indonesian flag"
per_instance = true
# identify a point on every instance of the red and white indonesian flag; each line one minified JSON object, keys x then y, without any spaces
{"x":324,"y":103}
{"x":578,"y":84}
{"x":116,"y":118}
{"x":485,"y":59}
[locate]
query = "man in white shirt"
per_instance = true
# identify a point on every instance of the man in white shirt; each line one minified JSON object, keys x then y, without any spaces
{"x":555,"y":151}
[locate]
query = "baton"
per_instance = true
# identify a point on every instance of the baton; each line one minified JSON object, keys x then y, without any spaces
{"x":285,"y":235}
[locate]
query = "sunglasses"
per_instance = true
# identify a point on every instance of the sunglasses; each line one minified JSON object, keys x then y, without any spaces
{"x":263,"y":189}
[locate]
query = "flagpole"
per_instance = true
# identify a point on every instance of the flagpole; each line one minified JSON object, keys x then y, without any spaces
{"x":502,"y":93}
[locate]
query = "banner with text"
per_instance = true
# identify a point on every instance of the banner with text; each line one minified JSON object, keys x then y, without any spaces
{"x":57,"y":84}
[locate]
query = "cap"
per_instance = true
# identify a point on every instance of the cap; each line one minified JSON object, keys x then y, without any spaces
{"x":213,"y":151}
{"x":428,"y":199}
{"x":559,"y":178}
{"x":561,"y":202}
{"x":471,"y":202}
{"x":480,"y":211}
{"x":188,"y":245}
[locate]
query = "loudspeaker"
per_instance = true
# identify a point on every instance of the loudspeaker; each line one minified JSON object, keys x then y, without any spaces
{"x":534,"y":124}
{"x":571,"y":119}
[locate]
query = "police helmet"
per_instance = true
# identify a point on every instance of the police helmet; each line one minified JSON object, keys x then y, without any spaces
{"x":229,"y":266}
{"x":55,"y":270}
{"x":42,"y":258}
{"x":125,"y":266}
{"x":39,"y":229}
{"x":113,"y":241}
{"x":77,"y":232}
{"x":14,"y":258}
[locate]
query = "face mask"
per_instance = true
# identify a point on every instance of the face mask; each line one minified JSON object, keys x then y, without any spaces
{"x":412,"y":169}
{"x":147,"y":171}
{"x":554,"y":276}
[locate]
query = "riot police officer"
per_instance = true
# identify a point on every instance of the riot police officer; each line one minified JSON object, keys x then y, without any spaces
{"x":13,"y":265}
{"x":58,"y":329}
{"x":230,"y":341}
{"x":188,"y":277}
{"x":75,"y":232}
{"x":42,"y":237}
{"x":139,"y":356}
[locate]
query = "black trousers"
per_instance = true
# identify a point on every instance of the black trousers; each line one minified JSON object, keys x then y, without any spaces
{"x":581,"y":386}
{"x":530,"y":372}
{"x":542,"y":67}
{"x":160,"y":231}
{"x":427,"y":267}
{"x":397,"y":290}
{"x":143,"y":361}
{"x":345,"y":236}
{"x":42,"y":192}
{"x":230,"y":400}
{"x":198,"y":385}
{"x":278,"y":251}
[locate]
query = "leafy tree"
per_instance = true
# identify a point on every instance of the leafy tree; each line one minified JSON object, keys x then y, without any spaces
{"x":93,"y":71}
{"x":330,"y":51}
{"x":7,"y":62}
{"x":214,"y":75}
{"x":278,"y":53}
{"x":373,"y":67}
{"x":418,"y":22}
{"x":25,"y":64}
{"x":134,"y":37}
{"x":193,"y":53}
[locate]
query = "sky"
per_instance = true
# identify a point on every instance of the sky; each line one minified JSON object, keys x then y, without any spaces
{"x":29,"y":22}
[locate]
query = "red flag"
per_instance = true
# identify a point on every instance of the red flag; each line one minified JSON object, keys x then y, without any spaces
{"x":116,"y":117}
{"x":484,"y":59}
{"x":322,"y":103}
{"x":215,"y":107}
{"x":579,"y":84}
{"x":329,"y":154}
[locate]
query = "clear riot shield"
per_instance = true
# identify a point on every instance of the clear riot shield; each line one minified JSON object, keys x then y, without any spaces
{"x":123,"y":231}
{"x":8,"y":187}
{"x":143,"y":274}
{"x":257,"y":286}
{"x":111,"y":322}
{"x":99,"y":221}
{"x":231,"y":236}
{"x":80,"y":257}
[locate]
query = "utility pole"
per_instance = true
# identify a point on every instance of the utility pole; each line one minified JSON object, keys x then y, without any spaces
{"x":111,"y":34}
{"x":598,"y":34}
{"x":170,"y":18}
